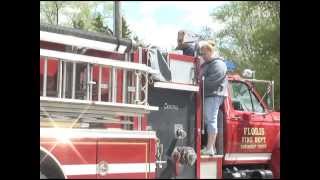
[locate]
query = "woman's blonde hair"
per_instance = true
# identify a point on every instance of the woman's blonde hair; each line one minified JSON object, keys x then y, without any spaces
{"x":208,"y":45}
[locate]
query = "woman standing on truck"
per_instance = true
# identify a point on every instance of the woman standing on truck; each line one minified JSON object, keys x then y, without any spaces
{"x":213,"y":70}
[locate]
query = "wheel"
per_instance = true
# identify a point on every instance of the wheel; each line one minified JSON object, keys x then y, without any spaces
{"x":42,"y":176}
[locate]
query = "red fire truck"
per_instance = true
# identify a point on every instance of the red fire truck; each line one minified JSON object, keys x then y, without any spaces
{"x":110,"y":111}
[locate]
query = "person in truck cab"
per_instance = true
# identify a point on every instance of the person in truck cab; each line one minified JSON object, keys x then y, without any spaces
{"x":213,"y":70}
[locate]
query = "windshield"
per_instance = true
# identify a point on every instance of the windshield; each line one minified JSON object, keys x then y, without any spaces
{"x":243,"y":99}
{"x":265,"y":92}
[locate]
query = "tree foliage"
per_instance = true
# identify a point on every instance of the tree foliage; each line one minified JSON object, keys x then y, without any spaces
{"x":205,"y":33}
{"x":251,"y":38}
{"x":81,"y":15}
{"x":50,"y":10}
{"x":126,"y":32}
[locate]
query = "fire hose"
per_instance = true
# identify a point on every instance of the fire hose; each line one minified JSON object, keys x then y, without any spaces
{"x":178,"y":155}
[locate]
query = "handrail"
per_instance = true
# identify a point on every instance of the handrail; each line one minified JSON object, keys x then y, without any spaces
{"x":96,"y":60}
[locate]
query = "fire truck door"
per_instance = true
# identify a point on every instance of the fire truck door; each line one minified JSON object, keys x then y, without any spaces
{"x":246,"y":131}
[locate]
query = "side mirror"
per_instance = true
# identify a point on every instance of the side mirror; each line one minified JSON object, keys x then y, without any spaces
{"x":270,"y":98}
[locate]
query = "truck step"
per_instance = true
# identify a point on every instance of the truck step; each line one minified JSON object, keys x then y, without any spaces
{"x":211,"y":157}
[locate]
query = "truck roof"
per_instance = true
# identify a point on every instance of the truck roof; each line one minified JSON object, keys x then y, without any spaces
{"x":86,"y":34}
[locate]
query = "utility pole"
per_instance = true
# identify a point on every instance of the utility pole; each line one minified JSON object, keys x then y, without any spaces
{"x":117,"y":26}
{"x":57,"y":13}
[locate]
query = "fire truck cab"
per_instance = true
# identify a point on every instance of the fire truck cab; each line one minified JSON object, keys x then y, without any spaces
{"x":110,"y":111}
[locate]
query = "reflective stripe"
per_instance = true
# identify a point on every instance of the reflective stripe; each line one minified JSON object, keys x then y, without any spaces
{"x":113,"y":168}
{"x":247,"y":156}
{"x":95,"y":60}
{"x":85,"y":169}
{"x":185,"y":87}
{"x":95,"y":133}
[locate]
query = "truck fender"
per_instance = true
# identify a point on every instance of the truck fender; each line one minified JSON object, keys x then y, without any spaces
{"x":275,"y":158}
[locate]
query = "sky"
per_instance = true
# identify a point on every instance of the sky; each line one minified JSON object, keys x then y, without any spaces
{"x":158,"y":22}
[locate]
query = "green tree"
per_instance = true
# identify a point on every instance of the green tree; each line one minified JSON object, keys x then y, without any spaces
{"x":98,"y":24}
{"x":205,"y":33}
{"x":81,"y":15}
{"x":139,"y":42}
{"x":68,"y":13}
{"x":125,"y":29}
{"x":50,"y":11}
{"x":251,"y":38}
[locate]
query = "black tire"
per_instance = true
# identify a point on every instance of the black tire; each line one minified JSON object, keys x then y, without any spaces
{"x":49,"y":169}
{"x":42,"y":176}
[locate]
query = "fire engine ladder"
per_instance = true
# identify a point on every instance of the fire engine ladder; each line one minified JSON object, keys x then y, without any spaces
{"x":64,"y":108}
